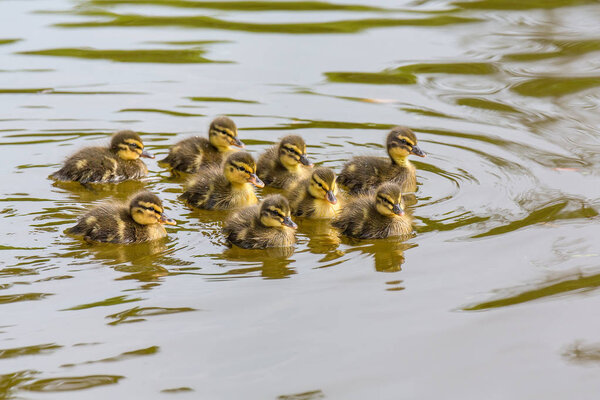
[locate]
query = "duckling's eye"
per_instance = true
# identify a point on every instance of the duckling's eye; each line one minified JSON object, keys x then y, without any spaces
{"x":403,"y":141}
{"x":241,"y":169}
{"x":134,"y":146}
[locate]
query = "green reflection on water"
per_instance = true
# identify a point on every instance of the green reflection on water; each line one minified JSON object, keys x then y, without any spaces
{"x":12,"y":381}
{"x":549,"y":213}
{"x":9,"y":41}
{"x":138,"y":314}
{"x":104,"y":303}
{"x":347,"y":26}
{"x":177,"y":390}
{"x":477,"y":102}
{"x":157,"y":111}
{"x":520,"y":4}
{"x":244,"y":5}
{"x":28,"y":350}
{"x":71,"y":383}
{"x":54,"y":91}
{"x":392,"y":77}
{"x":14,"y":298}
{"x":167,"y":56}
{"x":555,"y":86}
{"x":222,"y":100}
{"x":566,"y":48}
{"x":148,"y":351}
{"x":576,"y":284}
{"x":407,"y":74}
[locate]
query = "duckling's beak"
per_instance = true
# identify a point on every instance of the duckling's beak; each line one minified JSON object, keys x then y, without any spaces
{"x":255,"y":180}
{"x":287,"y":221}
{"x":166,"y":220}
{"x":146,"y":154}
{"x":305,"y":161}
{"x":417,"y":151}
{"x":238,"y":143}
{"x":398,"y":210}
{"x":331,"y":197}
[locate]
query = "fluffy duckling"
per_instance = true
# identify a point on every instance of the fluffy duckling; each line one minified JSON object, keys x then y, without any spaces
{"x":224,"y":188}
{"x":363,"y":174}
{"x":189,"y":155}
{"x":139,"y":221}
{"x":315,"y":197}
{"x":285,"y":163}
{"x":119,"y":162}
{"x":262,"y":226}
{"x":375,"y":217}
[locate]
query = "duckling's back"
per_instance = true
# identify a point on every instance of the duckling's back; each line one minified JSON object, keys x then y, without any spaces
{"x":192,"y":154}
{"x":359,"y":219}
{"x":99,"y":164}
{"x":208,"y":189}
{"x":364,"y":174}
{"x":244,"y":230}
{"x":270,"y":170}
{"x":102,"y":224}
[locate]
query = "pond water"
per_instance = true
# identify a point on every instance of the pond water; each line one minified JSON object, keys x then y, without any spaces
{"x":494,"y":295}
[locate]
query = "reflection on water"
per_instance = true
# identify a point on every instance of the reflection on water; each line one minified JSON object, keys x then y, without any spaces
{"x":504,"y":96}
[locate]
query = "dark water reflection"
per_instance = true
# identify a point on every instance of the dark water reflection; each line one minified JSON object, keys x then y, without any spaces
{"x":504,"y":98}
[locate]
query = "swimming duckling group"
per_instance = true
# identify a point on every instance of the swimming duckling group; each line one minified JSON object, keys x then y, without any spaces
{"x":222,"y":177}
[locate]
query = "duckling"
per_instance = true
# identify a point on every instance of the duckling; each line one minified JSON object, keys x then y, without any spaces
{"x":224,"y":188}
{"x":363,"y":174}
{"x":138,"y":221}
{"x":262,"y":226}
{"x":119,"y":162}
{"x":285,"y":163}
{"x":315,"y":197}
{"x":375,"y":217}
{"x":189,"y":155}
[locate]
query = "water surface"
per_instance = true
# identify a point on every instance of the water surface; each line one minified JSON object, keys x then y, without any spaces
{"x":493,"y":293}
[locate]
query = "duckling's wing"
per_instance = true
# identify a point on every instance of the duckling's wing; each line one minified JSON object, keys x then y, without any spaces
{"x":187,"y":155}
{"x":363,"y":174}
{"x":92,"y":164}
{"x":266,"y":165}
{"x":200,"y":187}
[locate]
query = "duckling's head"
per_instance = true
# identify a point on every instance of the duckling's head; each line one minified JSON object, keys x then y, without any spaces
{"x":292,"y":152}
{"x":240,"y":168}
{"x":223,"y":134}
{"x":146,"y":209}
{"x":401,"y":142}
{"x":388,"y":200}
{"x":322,"y":184}
{"x":128,"y":146}
{"x":275,"y":212}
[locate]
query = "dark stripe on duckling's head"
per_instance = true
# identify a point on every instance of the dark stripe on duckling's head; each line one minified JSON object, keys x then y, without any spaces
{"x":128,"y":145}
{"x":240,"y":167}
{"x":146,"y":209}
{"x":401,"y":142}
{"x":294,"y":147}
{"x":147,"y":200}
{"x":275,"y":212}
{"x":322,"y":184}
{"x":242,"y":158}
{"x":223,"y":132}
{"x":388,"y":199}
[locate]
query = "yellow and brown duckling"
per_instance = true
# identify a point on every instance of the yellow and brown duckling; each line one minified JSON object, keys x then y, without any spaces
{"x":316,"y":196}
{"x":375,"y":216}
{"x":226,"y":187}
{"x":138,"y":221}
{"x":189,"y":155}
{"x":261,"y":226}
{"x":119,"y":162}
{"x":285,"y":163}
{"x":363,"y":174}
